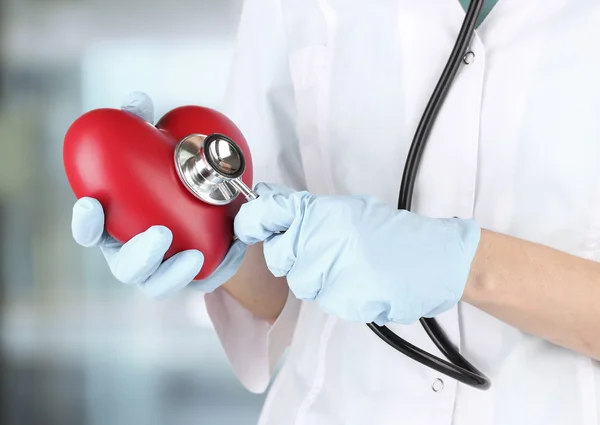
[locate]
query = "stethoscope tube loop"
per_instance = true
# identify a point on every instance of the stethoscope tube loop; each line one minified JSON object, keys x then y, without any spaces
{"x":458,"y":367}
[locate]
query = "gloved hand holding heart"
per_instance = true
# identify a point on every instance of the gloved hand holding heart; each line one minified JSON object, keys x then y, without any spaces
{"x":127,"y":164}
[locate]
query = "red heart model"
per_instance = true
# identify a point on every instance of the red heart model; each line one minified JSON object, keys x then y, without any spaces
{"x":128,"y":165}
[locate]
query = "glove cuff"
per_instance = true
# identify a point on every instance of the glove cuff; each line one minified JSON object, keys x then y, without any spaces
{"x":226,"y":270}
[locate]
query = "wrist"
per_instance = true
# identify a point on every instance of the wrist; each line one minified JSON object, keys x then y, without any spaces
{"x":255,"y":288}
{"x":479,"y":283}
{"x":226,"y":270}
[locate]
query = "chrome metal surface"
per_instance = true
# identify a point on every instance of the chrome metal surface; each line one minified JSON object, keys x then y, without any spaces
{"x":225,"y":157}
{"x":211,"y":168}
{"x":197,"y":175}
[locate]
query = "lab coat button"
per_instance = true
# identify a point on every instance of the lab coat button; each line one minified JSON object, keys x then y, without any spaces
{"x":469,"y":58}
{"x":437,"y":386}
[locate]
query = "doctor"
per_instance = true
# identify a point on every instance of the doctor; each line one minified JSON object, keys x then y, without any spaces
{"x":329,"y":93}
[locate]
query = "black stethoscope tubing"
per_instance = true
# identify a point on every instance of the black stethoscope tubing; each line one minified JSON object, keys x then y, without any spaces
{"x":457,"y":366}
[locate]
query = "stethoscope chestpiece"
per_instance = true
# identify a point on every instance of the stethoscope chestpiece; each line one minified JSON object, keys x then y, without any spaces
{"x":211,"y":168}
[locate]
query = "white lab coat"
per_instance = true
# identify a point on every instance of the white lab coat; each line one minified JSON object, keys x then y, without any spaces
{"x":328,"y":93}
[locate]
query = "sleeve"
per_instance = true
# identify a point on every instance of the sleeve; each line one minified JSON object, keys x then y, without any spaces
{"x":260,"y":100}
{"x":253,"y":346}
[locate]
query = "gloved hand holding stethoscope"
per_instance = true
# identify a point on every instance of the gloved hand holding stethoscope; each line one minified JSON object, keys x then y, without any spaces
{"x":359,"y":258}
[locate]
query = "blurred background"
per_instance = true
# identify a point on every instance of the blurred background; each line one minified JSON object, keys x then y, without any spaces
{"x":77,"y":347}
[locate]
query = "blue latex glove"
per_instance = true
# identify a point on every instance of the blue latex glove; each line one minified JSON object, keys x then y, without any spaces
{"x":359,"y":258}
{"x":140,"y":260}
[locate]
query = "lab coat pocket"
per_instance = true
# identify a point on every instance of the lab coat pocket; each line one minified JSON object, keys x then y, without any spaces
{"x":310,"y":69}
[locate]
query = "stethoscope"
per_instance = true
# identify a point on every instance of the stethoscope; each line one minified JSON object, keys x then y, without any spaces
{"x":211,"y":168}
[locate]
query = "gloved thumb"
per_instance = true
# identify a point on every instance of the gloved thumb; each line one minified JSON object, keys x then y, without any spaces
{"x":274,"y":211}
{"x":87,"y":222}
{"x":139,"y":104}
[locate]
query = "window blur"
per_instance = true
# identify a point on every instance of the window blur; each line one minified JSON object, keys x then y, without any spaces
{"x":77,"y":347}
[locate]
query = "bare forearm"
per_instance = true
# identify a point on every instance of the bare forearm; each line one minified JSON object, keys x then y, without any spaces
{"x":255,"y":288}
{"x":539,"y":290}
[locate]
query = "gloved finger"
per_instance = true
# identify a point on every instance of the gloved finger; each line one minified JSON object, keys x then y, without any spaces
{"x":173,"y":275}
{"x":87,"y":222}
{"x":280,"y":252}
{"x":382,"y":319}
{"x":273,"y":189}
{"x":87,"y":226}
{"x":226,"y":270}
{"x":140,"y":257}
{"x":139,"y":104}
{"x":273,"y":212}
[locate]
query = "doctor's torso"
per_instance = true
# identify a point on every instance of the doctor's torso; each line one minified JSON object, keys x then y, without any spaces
{"x":516,"y":145}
